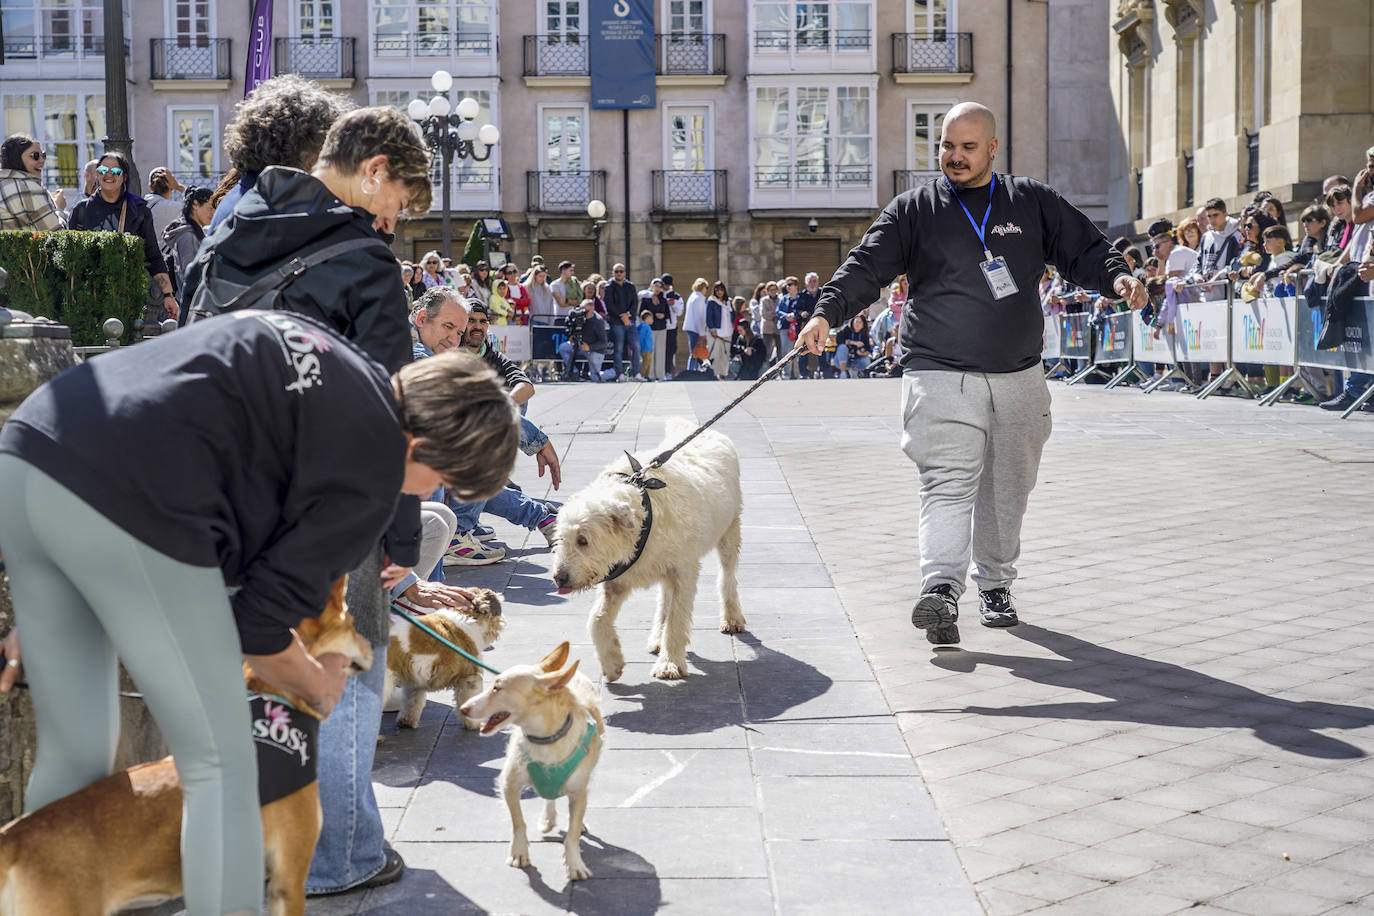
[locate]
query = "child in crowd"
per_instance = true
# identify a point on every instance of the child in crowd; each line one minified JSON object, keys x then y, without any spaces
{"x":498,"y":305}
{"x":646,"y":342}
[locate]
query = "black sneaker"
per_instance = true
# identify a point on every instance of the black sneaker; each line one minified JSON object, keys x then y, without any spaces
{"x":936,"y":612}
{"x":1341,"y":401}
{"x":997,"y":608}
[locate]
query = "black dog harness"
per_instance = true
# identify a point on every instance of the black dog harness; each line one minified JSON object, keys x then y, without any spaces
{"x":286,"y":739}
{"x":644,"y":485}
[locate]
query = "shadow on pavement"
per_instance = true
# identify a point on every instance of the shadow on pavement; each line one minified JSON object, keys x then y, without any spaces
{"x":604,"y":894}
{"x":1158,"y":693}
{"x":771,"y":684}
{"x":421,"y":892}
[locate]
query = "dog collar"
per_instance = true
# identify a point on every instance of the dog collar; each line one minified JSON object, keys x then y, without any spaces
{"x":549,"y":779}
{"x":644,"y":485}
{"x":567,"y":724}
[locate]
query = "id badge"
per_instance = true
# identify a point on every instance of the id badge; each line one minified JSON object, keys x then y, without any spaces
{"x":999,"y":278}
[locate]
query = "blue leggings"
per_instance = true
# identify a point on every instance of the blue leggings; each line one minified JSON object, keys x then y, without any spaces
{"x":86,"y":593}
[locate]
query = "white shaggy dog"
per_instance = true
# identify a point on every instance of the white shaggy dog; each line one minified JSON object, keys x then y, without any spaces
{"x":696,"y":505}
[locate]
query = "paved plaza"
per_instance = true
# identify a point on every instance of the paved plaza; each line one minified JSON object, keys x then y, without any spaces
{"x":1182,"y":723}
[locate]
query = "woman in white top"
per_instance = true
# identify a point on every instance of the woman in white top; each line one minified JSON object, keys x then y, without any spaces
{"x":694,"y":318}
{"x":724,"y":330}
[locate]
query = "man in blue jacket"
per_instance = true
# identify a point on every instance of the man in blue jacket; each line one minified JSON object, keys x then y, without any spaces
{"x":975,"y":406}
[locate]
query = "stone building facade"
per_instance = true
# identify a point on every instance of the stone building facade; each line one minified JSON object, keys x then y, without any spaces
{"x":770,"y":113}
{"x":1221,"y":98}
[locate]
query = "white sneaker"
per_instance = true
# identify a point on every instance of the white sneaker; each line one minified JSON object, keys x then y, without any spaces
{"x":549,"y":527}
{"x":466,"y":550}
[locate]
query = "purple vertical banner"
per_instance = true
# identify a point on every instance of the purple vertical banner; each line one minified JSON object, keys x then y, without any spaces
{"x":259,"y":47}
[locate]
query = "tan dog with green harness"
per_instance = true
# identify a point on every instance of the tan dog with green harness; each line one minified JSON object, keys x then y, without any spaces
{"x":553,"y":749}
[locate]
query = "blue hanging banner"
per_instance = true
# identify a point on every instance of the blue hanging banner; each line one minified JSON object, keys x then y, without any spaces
{"x":622,"y":53}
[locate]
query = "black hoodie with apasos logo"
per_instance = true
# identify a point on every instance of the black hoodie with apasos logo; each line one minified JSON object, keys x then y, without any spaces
{"x":951,"y":319}
{"x":220,"y":445}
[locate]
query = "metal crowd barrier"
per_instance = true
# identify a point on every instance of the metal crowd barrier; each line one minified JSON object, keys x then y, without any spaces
{"x":1268,"y":331}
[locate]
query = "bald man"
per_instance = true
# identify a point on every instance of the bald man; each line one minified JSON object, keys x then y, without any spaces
{"x":975,"y":407}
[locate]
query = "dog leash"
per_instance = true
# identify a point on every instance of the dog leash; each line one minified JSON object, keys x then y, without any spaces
{"x":662,"y":457}
{"x":414,"y":621}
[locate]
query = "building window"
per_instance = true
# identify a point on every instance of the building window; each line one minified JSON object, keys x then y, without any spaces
{"x":190,"y":21}
{"x":53,"y":28}
{"x":813,"y":25}
{"x":315,"y":19}
{"x":686,"y":17}
{"x":934,"y":16}
{"x":192,"y":147}
{"x":69,"y":125}
{"x":412,"y":27}
{"x":813,"y":136}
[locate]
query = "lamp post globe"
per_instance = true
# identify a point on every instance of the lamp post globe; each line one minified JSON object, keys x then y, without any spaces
{"x":442,"y":81}
{"x":468,"y":108}
{"x":596,"y":209}
{"x":488,"y":135}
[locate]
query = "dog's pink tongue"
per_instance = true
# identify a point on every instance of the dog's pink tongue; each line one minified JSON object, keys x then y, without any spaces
{"x":494,"y":722}
{"x":565,"y":591}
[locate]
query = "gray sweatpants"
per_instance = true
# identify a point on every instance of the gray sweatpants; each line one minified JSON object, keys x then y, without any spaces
{"x":976,"y":439}
{"x":85,"y":592}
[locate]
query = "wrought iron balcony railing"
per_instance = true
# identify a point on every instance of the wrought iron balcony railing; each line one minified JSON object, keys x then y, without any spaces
{"x":802,"y":177}
{"x":932,"y":51}
{"x":677,"y":191}
{"x":808,"y":40}
{"x":564,"y":192}
{"x":556,"y":55}
{"x":63,"y":47}
{"x":1252,"y":161}
{"x":190,"y":58}
{"x":689,"y":54}
{"x":907,"y":179}
{"x":316,"y":58}
{"x":435,"y":44}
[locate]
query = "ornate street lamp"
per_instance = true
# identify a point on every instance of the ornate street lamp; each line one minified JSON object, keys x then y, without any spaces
{"x":451,"y":132}
{"x":597,"y":211}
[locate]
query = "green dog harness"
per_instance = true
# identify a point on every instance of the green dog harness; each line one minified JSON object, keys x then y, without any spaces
{"x":548,"y":779}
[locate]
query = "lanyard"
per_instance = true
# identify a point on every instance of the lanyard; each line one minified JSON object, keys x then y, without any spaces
{"x":980,"y":230}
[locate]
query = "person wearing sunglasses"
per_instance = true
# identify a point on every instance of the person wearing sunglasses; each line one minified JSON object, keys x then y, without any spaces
{"x":112,"y":208}
{"x":24,"y":204}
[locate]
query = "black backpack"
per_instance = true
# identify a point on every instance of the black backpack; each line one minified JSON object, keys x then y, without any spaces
{"x":216,"y":295}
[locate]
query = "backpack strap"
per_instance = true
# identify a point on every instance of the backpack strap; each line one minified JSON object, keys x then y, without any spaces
{"x":282,"y":275}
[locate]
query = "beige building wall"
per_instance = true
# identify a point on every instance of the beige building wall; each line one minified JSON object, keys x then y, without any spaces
{"x":1197,"y":76}
{"x":756,"y":227}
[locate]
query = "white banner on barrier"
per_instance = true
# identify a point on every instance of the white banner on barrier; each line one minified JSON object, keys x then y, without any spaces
{"x":1201,"y":330}
{"x":512,"y":341}
{"x":1147,"y":347}
{"x":1264,"y":331}
{"x":1050,"y":350}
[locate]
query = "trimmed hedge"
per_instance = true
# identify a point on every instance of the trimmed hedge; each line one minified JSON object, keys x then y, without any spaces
{"x":77,"y":278}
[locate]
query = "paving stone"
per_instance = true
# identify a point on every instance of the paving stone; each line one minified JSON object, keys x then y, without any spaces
{"x":920,"y":877}
{"x":847,"y":808}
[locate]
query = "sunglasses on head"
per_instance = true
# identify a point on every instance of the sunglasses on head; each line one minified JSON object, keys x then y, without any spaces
{"x":1310,"y":219}
{"x":37,"y":155}
{"x":114,"y":170}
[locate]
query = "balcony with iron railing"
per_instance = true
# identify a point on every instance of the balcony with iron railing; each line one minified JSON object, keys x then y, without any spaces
{"x":1252,"y":151}
{"x":563,"y":192}
{"x":679,"y":191}
{"x":556,"y":56}
{"x":61,"y":56}
{"x":689,"y":54}
{"x":782,"y":50}
{"x":933,"y":55}
{"x":908,"y":179}
{"x":463,"y":52}
{"x":473,"y":186}
{"x":1187,"y":179}
{"x":194,"y":59}
{"x":316,"y":58}
{"x":811,"y":185}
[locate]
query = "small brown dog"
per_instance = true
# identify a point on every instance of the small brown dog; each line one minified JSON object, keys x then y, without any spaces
{"x":117,"y":842}
{"x":416,"y":663}
{"x":554,"y":746}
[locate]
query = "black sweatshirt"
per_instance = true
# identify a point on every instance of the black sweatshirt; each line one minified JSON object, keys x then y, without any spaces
{"x":951,"y":320}
{"x":263,"y":443}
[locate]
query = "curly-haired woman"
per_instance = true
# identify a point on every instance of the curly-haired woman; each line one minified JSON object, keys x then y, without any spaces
{"x":24,"y":204}
{"x":283,"y":122}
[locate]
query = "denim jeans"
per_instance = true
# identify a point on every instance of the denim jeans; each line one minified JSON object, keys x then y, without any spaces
{"x":692,"y":345}
{"x":510,"y":504}
{"x":1356,"y":383}
{"x":352,"y":846}
{"x":625,"y":339}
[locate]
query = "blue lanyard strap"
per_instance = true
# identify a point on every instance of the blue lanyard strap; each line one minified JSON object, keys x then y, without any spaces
{"x":983,"y":229}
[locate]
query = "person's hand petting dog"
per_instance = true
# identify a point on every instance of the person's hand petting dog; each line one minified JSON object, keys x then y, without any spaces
{"x":426,"y":594}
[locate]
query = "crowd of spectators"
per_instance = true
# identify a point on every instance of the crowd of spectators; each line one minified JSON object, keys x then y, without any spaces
{"x":1214,"y":254}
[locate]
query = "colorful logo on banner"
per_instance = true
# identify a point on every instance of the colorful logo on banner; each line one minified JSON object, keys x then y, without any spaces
{"x":259,"y":67}
{"x":1192,"y":334}
{"x":1254,"y":332}
{"x":1073,"y":334}
{"x":621,"y":54}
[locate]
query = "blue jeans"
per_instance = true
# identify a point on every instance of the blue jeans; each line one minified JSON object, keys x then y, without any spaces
{"x":1357,"y":382}
{"x":510,"y":504}
{"x":622,"y":338}
{"x":692,"y":345}
{"x":352,"y":846}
